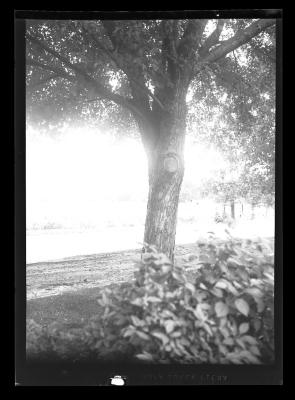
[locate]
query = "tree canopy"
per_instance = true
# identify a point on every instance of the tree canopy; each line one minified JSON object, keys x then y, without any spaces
{"x":85,"y":69}
{"x":160,"y":77}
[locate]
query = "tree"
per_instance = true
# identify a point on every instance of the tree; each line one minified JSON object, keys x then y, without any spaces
{"x":238,"y":116}
{"x":155,"y":62}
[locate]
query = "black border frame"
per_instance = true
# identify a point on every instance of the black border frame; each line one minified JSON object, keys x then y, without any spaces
{"x":45,"y":374}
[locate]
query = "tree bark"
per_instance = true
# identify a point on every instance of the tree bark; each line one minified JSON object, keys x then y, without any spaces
{"x":232,"y":209}
{"x":224,"y":210}
{"x":161,"y":216}
{"x":166,"y":171}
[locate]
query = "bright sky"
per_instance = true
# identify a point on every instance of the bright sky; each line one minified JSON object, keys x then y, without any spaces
{"x":71,"y":175}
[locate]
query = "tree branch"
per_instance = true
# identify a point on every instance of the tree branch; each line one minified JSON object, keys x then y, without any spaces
{"x":110,"y":27}
{"x":89,"y":81}
{"x":191,"y":38}
{"x":60,"y":72}
{"x":135,"y":72}
{"x":212,"y":39}
{"x":116,"y":61}
{"x":57,"y":55}
{"x":238,"y":40}
{"x":32,"y":87}
{"x":233,"y":43}
{"x":168,"y":42}
{"x":169,"y":59}
{"x":175,"y":32}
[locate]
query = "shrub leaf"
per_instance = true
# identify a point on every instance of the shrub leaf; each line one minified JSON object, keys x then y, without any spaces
{"x":161,"y":336}
{"x":242,"y":306}
{"x":221,"y":309}
{"x":142,"y":335}
{"x":243,"y":328}
{"x":190,"y":286}
{"x":145,"y":356}
{"x":169,"y":325}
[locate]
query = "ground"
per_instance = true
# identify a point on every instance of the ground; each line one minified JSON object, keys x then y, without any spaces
{"x":65,"y":291}
{"x":83,"y":272}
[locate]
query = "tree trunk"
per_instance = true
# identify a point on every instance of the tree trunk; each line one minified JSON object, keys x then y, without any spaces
{"x":166,"y":171}
{"x":224,"y":210}
{"x":161,"y":217}
{"x":232,"y":209}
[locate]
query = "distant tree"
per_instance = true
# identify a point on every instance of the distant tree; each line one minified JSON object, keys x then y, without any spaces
{"x":140,"y":71}
{"x":238,"y":116}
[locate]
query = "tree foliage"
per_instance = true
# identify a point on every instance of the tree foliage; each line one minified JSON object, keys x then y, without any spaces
{"x":82,"y":69}
{"x":240,"y":108}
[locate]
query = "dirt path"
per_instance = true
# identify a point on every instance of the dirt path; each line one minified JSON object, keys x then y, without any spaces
{"x":85,"y":272}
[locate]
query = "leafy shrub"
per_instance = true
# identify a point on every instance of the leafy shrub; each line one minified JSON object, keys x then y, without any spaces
{"x":224,"y":314}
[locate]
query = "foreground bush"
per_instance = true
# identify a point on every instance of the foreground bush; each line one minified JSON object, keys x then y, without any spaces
{"x":223,"y":313}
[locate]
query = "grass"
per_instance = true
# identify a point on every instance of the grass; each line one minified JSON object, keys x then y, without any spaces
{"x":71,"y":309}
{"x":74,"y":308}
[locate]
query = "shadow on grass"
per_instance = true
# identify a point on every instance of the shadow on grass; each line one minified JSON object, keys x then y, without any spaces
{"x":71,"y":309}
